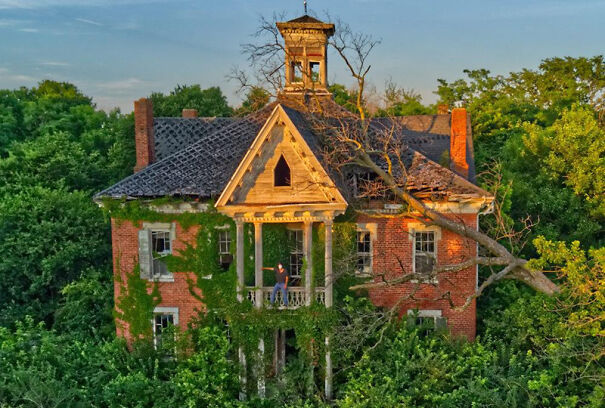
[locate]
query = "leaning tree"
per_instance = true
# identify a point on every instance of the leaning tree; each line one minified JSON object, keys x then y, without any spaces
{"x":353,"y":141}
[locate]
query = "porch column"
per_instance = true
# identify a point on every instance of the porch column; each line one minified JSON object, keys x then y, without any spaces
{"x":329,"y":302}
{"x":239,"y":259}
{"x":242,"y":373}
{"x":260,"y":374}
{"x":307,"y":248}
{"x":258,"y":263}
{"x":239,"y":263}
{"x":329,"y":284}
{"x":258,"y":283}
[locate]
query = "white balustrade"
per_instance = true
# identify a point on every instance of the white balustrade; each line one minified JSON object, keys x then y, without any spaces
{"x":296,"y":296}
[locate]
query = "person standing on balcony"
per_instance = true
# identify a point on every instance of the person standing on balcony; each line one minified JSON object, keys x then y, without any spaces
{"x":281,"y":283}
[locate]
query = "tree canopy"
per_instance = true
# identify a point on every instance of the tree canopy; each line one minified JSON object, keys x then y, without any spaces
{"x":541,"y":131}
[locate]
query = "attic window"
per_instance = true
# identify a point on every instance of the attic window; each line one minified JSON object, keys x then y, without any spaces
{"x":281,"y":174}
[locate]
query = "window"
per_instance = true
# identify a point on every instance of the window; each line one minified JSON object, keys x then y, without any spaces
{"x":427,"y":321}
{"x":314,"y":71}
{"x":164,"y":320}
{"x":296,"y":71}
{"x":281,"y":173}
{"x":161,"y":246}
{"x":364,"y":253}
{"x":424,"y":253}
{"x":365,"y":185}
{"x":295,"y":238}
{"x":224,"y":248}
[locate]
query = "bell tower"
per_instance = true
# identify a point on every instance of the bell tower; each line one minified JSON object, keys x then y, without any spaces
{"x":306,"y":41}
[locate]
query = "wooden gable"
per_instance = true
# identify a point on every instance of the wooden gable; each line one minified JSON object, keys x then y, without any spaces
{"x":255,"y":183}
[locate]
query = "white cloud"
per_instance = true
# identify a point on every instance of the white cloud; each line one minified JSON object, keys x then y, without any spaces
{"x":29,"y":30}
{"x":86,"y":21}
{"x":121,"y":84}
{"x":5,"y":22}
{"x":35,"y":4}
{"x":10,"y":77}
{"x":54,"y":64}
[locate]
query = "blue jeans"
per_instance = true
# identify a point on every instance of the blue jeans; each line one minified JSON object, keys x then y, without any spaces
{"x":284,"y":292}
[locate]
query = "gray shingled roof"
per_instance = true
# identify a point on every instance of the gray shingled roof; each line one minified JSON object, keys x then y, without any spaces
{"x":201,"y":169}
{"x":214,"y":148}
{"x":174,"y":134}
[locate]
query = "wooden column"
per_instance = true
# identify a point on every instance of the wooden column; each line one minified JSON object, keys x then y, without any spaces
{"x":260,"y":374}
{"x":242,"y":373}
{"x":329,"y":283}
{"x":239,"y":259}
{"x":258,"y":283}
{"x":239,"y":263}
{"x":258,"y":263}
{"x":307,"y":248}
{"x":329,"y":302}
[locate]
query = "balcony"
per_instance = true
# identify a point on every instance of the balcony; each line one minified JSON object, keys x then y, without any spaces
{"x":296,"y":296}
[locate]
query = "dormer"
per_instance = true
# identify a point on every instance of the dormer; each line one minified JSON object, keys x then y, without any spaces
{"x":306,"y":43}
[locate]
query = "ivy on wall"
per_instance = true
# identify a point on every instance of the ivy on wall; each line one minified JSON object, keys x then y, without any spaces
{"x":135,"y":304}
{"x":215,"y":287}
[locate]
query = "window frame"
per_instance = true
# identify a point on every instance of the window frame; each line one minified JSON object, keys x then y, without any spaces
{"x":415,"y":228}
{"x":163,"y":311}
{"x":370,"y":229}
{"x":170,"y":229}
{"x":225,"y":257}
{"x":297,"y":252}
{"x":425,"y":314}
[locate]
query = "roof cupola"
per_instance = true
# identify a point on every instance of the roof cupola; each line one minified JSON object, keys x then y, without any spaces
{"x":306,"y":41}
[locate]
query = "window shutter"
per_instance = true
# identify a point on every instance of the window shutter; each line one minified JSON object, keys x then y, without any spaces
{"x":145,"y":254}
{"x":440,"y":324}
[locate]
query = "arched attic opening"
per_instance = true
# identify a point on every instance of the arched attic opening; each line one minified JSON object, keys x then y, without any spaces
{"x":281,"y":173}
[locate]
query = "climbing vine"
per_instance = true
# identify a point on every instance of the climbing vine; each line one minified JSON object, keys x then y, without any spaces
{"x":215,"y":287}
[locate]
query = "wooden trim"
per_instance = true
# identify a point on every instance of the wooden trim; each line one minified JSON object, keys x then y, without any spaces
{"x":302,"y":149}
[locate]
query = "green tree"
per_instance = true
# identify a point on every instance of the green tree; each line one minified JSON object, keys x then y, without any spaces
{"x":49,"y":237}
{"x":256,"y":99}
{"x":207,"y":102}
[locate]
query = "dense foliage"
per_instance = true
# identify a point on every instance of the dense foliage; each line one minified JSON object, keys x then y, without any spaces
{"x":543,"y":130}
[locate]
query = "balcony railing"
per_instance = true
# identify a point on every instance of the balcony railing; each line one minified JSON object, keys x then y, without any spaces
{"x":296,"y":296}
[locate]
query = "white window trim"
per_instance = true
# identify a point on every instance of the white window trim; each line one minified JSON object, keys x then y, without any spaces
{"x":302,"y":252}
{"x":174,"y":311}
{"x":162,"y":227}
{"x":434,"y":313}
{"x":419,"y":227}
{"x":372,"y":228}
{"x":427,"y":314}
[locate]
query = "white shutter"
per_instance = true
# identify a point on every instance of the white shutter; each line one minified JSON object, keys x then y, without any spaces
{"x":145,"y":254}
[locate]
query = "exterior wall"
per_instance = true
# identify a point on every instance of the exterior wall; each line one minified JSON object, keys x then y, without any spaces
{"x":258,"y":187}
{"x":124,"y":236}
{"x":394,"y":242}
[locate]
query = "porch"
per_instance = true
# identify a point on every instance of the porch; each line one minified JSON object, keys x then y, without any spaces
{"x":297,"y":296}
{"x":306,"y":294}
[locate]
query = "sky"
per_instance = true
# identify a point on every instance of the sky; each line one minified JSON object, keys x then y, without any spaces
{"x":117,"y":51}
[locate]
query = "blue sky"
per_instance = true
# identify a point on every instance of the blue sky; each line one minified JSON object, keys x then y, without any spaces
{"x":119,"y":50}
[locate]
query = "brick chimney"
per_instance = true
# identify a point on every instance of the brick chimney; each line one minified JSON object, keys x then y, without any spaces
{"x":143,"y":133}
{"x":458,"y":142}
{"x":189,"y":113}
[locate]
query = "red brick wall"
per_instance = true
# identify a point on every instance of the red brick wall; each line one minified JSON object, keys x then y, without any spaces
{"x":124,"y":236}
{"x":458,"y":138}
{"x":143,"y":133}
{"x":394,"y":243}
